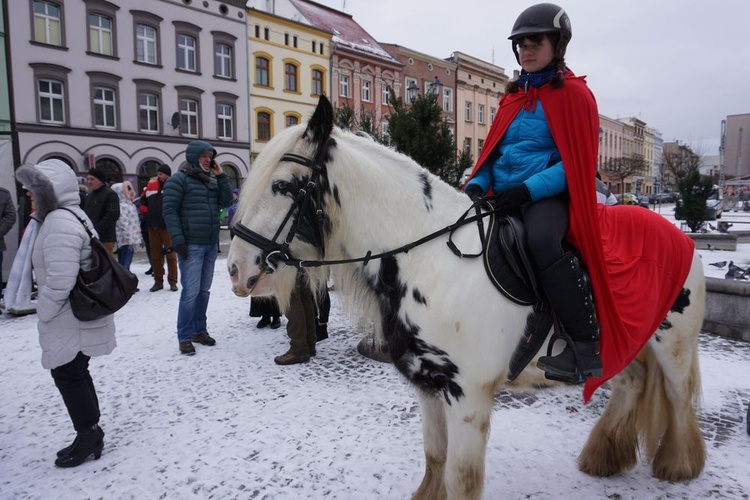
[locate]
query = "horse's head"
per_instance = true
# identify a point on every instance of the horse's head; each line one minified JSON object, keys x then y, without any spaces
{"x":281,"y":218}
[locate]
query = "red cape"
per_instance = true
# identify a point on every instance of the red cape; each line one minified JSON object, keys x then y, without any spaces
{"x":637,"y":260}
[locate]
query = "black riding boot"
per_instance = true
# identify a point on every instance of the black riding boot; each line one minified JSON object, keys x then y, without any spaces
{"x":569,"y":293}
{"x":88,"y":441}
{"x":67,"y":449}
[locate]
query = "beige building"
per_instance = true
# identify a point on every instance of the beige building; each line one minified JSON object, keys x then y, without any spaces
{"x":479,"y":86}
{"x":737,"y":147}
{"x":289,"y":64}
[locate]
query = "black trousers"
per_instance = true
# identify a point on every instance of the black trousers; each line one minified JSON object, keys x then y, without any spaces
{"x":323,"y":308}
{"x":546,"y":222}
{"x":73,"y":380}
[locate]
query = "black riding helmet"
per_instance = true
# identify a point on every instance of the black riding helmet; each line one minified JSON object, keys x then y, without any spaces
{"x":543,"y":18}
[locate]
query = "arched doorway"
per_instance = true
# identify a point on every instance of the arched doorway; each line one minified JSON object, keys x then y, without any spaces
{"x":112,"y":170}
{"x":146,"y":171}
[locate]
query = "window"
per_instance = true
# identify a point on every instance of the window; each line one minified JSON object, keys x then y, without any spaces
{"x":225,"y":119}
{"x":294,"y":41}
{"x":467,"y":145}
{"x":448,"y":100}
{"x":223,"y":61}
{"x":264,"y":126}
{"x":286,"y":38}
{"x":317,"y":82}
{"x":290,"y":77}
{"x":149,"y":104}
{"x":51,"y":86}
{"x":189,"y":117}
{"x":104,"y":107}
{"x":261,"y":71}
{"x":145,"y":44}
{"x":148,"y":112}
{"x":257,"y":31}
{"x":467,"y":111}
{"x":480,"y":145}
{"x":186,"y":51}
{"x":314,"y":46}
{"x":291,"y":120}
{"x":492,"y":114}
{"x":48,"y":23}
{"x":266,"y":33}
{"x":51,"y":101}
{"x":366,"y":95}
{"x":100,"y":35}
{"x":386,"y":93}
{"x":344,"y":86}
{"x":480,"y":113}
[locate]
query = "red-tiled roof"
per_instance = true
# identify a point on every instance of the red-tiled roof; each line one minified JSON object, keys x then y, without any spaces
{"x":346,"y":32}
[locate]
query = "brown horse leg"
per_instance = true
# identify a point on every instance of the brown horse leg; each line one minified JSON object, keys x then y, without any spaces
{"x":612,"y":446}
{"x":435,"y":449}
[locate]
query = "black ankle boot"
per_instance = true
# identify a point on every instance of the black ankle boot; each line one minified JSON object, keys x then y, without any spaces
{"x":67,"y":449}
{"x":87,"y":442}
{"x":569,"y":293}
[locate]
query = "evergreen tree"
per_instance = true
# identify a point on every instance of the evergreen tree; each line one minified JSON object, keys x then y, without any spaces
{"x":694,"y":191}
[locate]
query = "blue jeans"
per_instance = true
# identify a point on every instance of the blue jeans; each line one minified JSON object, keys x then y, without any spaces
{"x":125,"y":255}
{"x":196,"y":275}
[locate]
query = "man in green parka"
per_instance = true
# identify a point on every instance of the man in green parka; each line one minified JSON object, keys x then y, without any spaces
{"x":193,"y":198}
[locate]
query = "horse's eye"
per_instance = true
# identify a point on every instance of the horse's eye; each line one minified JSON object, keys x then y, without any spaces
{"x":280,"y":187}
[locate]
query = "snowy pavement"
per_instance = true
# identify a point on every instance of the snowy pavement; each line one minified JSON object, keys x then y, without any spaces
{"x":228,"y":423}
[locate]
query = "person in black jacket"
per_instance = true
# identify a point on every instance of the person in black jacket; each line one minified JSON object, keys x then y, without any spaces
{"x":158,"y":236}
{"x":103,"y":208}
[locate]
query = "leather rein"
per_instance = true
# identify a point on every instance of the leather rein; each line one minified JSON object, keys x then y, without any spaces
{"x":275,"y":252}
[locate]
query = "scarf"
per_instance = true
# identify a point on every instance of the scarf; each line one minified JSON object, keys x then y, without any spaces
{"x":18,"y":290}
{"x":197,"y":172}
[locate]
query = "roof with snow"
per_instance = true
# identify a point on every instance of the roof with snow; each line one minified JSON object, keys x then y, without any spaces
{"x":346,"y":32}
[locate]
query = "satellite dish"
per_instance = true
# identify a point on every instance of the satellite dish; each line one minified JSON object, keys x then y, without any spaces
{"x":175,"y":121}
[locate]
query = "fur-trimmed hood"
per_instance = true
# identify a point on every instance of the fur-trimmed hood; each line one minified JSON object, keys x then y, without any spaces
{"x":53,"y":183}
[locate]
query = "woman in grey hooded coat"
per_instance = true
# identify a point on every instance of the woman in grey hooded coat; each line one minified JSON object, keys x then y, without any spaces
{"x":60,"y":250}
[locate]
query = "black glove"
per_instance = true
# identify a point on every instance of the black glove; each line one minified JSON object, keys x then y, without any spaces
{"x":181,"y":250}
{"x":509,"y":199}
{"x":474,"y":192}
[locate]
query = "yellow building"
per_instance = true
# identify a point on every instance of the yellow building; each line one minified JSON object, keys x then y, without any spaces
{"x":289,"y":69}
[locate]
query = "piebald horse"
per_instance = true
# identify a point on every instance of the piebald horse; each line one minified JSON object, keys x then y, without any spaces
{"x":320,"y":195}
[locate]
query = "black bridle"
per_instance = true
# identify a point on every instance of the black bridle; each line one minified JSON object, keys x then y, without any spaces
{"x":275,"y":252}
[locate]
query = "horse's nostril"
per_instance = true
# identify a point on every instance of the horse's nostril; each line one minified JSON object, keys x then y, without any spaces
{"x":251,"y":282}
{"x":233,"y":270}
{"x":257,"y":260}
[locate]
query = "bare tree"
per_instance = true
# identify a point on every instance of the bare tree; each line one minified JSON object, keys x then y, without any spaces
{"x":624,"y":168}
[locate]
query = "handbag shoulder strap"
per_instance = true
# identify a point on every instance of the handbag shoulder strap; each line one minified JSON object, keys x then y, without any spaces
{"x":85,"y":225}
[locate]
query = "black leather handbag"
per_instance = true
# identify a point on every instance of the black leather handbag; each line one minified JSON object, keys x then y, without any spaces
{"x":104,"y":288}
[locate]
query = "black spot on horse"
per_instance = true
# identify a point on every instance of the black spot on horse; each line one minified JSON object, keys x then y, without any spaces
{"x":426,"y":366}
{"x":681,"y":302}
{"x":418,"y":297}
{"x":336,"y":196}
{"x":665,"y":325}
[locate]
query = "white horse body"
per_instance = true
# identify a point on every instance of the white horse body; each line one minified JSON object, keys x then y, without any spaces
{"x":449,"y":330}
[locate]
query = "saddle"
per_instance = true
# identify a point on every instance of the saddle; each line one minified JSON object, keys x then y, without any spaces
{"x":507,"y":263}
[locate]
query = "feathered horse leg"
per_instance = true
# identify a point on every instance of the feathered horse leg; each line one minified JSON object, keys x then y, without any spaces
{"x":435,"y":448}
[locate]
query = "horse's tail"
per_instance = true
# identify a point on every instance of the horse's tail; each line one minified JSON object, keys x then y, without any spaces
{"x":664,"y":417}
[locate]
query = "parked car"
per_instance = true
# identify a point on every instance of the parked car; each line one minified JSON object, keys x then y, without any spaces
{"x":714,"y":204}
{"x":662,"y":198}
{"x":633,"y":199}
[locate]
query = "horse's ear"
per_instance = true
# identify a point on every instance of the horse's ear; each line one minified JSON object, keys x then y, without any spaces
{"x":320,"y":126}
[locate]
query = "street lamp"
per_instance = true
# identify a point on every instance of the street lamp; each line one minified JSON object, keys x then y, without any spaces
{"x":411,"y":92}
{"x":434,"y":87}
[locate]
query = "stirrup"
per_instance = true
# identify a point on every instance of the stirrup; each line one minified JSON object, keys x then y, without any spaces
{"x":576,"y":379}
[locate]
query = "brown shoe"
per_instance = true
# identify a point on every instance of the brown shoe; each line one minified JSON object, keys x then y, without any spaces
{"x":204,"y":338}
{"x":156,"y":287}
{"x":290,"y":359}
{"x":187,"y":348}
{"x":173,"y":287}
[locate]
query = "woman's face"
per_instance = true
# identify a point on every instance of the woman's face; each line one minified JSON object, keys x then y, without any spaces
{"x":535,"y":53}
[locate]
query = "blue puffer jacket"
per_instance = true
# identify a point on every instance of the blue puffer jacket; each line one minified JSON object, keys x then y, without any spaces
{"x":191,"y":208}
{"x":526,"y":154}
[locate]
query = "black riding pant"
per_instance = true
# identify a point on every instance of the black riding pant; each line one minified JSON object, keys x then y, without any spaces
{"x":546,"y":222}
{"x":73,"y":380}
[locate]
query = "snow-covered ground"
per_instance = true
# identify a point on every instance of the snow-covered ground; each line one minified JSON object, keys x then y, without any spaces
{"x":230,"y":424}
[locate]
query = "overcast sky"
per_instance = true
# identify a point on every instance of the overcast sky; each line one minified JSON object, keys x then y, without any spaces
{"x":681,"y":66}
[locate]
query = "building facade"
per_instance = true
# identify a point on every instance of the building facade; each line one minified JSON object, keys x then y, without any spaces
{"x":124,"y":89}
{"x":479,"y":86}
{"x":422,"y":74}
{"x":736,"y":145}
{"x":290,"y":70}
